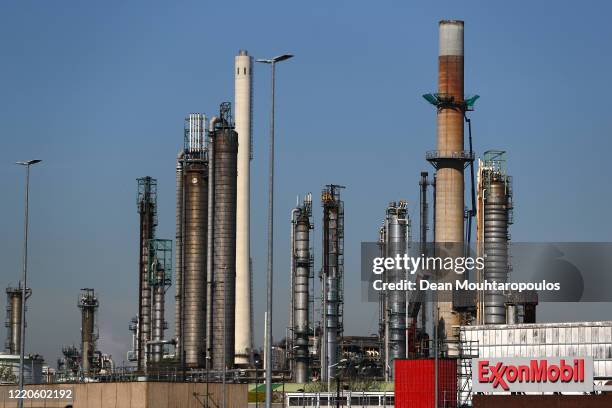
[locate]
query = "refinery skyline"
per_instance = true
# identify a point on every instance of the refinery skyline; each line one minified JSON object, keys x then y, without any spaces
{"x":101,"y":119}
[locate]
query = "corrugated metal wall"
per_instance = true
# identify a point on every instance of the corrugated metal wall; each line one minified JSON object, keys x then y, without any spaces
{"x":414,"y":383}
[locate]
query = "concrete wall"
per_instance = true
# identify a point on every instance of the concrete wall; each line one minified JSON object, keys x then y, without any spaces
{"x":134,"y":395}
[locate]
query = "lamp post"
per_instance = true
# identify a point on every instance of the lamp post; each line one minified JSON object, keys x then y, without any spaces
{"x":344,"y":360}
{"x":24,"y":279}
{"x":268,"y":334}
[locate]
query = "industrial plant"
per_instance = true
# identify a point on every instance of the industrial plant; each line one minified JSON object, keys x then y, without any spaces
{"x":427,"y":350}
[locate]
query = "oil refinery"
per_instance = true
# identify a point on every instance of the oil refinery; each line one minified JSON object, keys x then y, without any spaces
{"x":477,"y":346}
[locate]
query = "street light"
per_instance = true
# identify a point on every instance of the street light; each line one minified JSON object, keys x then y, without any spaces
{"x":344,"y":360}
{"x":24,"y":279}
{"x":268,"y":334}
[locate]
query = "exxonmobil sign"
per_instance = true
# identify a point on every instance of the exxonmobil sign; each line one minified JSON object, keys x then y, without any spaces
{"x":538,"y":374}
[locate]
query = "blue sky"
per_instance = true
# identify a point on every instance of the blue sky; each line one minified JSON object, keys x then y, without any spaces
{"x":99,"y":92}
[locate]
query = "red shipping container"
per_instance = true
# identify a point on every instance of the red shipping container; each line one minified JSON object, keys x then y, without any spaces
{"x":415,"y":386}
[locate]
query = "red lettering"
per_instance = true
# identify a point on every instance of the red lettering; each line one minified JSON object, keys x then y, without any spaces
{"x":500,"y":375}
{"x":523,"y":373}
{"x":567,"y":372}
{"x":553,"y":373}
{"x":483,"y":368}
{"x":538,"y":373}
{"x":511,"y":374}
{"x":497,"y":376}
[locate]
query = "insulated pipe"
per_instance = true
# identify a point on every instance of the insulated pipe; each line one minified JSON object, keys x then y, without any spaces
{"x":449,"y":213}
{"x":179,"y":251}
{"x":243,"y":87}
{"x":424,"y":214}
{"x":294,"y":213}
{"x":158,"y":315}
{"x":511,"y":314}
{"x":210,"y":240}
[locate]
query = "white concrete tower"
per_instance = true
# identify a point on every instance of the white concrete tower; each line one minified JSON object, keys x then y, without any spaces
{"x":243,"y":87}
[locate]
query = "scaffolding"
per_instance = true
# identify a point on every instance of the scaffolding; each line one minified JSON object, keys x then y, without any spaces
{"x":467,"y":351}
{"x":160,"y":258}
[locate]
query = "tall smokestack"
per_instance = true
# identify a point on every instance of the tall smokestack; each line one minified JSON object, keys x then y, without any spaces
{"x":450,"y":187}
{"x":243,"y":114}
{"x":449,"y":159}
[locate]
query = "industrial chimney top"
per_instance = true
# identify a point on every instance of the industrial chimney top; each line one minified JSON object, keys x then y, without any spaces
{"x":458,"y":22}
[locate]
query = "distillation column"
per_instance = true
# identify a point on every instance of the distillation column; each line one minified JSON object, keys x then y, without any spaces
{"x":332,"y":276}
{"x":242,"y":106}
{"x":147,"y":208}
{"x":160,"y":256}
{"x":496,"y":203}
{"x":191,"y":240}
{"x":88,"y":303}
{"x":300,"y":270}
{"x":450,"y":157}
{"x":225,"y":141}
{"x":13,"y":319}
{"x":396,"y":226}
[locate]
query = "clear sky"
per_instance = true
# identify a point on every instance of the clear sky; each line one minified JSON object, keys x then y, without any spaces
{"x":99,"y":90}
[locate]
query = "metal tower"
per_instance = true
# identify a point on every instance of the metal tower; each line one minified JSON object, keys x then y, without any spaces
{"x":147,"y":208}
{"x":301,"y":272}
{"x":332,"y":279}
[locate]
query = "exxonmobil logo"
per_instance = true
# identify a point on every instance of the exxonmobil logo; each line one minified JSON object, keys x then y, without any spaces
{"x":532,"y":374}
